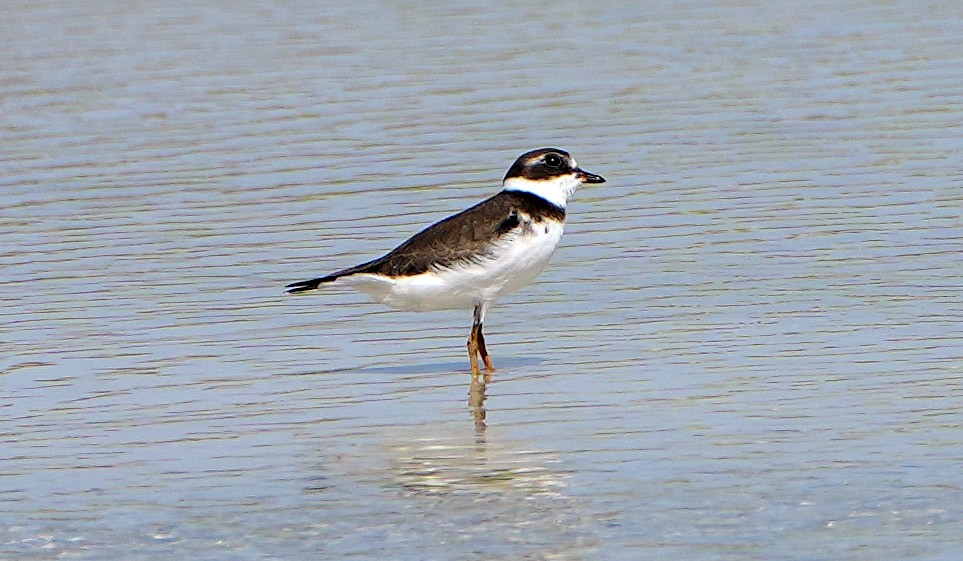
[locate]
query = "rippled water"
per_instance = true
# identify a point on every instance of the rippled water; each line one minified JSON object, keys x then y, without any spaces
{"x":748,"y":346}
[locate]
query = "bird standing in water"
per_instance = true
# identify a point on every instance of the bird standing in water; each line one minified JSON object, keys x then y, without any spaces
{"x":471,"y":259}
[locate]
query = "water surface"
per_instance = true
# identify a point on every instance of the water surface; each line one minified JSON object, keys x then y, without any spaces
{"x":747,"y":347}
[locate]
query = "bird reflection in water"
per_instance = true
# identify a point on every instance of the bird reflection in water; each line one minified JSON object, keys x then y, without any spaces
{"x":476,"y":403}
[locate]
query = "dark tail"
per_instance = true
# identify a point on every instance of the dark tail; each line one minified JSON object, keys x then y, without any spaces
{"x":304,"y":286}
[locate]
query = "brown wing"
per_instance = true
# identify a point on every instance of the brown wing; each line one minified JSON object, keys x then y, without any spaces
{"x":462,"y":237}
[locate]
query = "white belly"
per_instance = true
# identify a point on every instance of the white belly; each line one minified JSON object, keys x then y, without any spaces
{"x":517,"y":260}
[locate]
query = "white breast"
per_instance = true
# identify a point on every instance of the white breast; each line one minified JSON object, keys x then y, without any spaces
{"x":513,"y":263}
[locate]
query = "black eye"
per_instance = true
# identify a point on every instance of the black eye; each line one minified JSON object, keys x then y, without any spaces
{"x":553,"y":161}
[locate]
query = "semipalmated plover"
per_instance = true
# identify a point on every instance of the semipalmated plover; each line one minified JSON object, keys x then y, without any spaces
{"x":473,"y":258}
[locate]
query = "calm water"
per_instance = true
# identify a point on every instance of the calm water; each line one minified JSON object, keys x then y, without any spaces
{"x":748,"y":347}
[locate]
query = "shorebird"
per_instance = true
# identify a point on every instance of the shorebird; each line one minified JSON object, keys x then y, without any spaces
{"x":471,"y":259}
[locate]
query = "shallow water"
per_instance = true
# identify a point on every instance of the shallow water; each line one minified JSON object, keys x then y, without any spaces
{"x":747,"y":347}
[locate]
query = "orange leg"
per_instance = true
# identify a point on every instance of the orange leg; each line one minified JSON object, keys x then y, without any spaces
{"x":473,"y":353}
{"x":476,"y":343}
{"x":482,"y":351}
